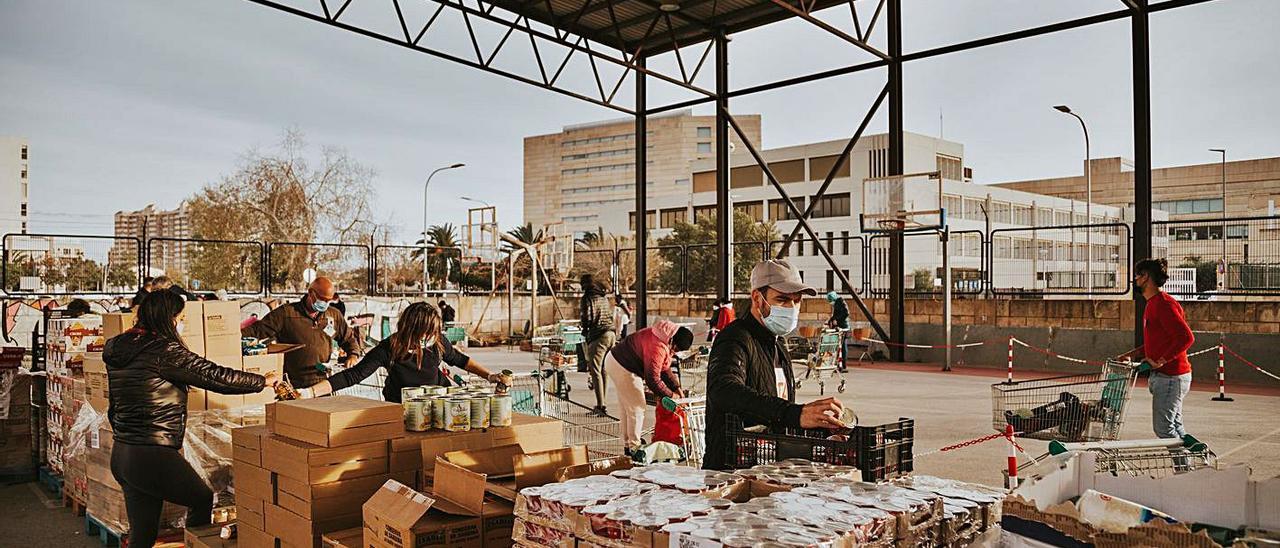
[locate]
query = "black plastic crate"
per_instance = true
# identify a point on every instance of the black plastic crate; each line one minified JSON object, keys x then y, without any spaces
{"x":879,"y":452}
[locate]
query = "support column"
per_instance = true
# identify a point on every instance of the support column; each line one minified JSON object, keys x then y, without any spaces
{"x":1141,"y":154}
{"x":641,"y":306}
{"x":724,"y":205}
{"x":897,"y":267}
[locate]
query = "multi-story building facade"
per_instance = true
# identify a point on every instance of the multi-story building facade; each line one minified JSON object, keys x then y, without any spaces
{"x":14,"y":189}
{"x":584,"y":177}
{"x":167,"y":257}
{"x":1204,"y":203}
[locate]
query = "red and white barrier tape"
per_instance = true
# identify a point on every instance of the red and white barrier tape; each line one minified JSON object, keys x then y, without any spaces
{"x":1053,"y":354}
{"x":1202,"y":351}
{"x":1250,"y":364}
{"x":926,"y":346}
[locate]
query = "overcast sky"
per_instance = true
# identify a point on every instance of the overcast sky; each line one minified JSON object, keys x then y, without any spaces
{"x":144,"y":101}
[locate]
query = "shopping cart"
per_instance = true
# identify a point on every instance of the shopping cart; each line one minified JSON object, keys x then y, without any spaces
{"x":544,"y":392}
{"x":823,"y":362}
{"x":554,"y":356}
{"x":1156,"y":458}
{"x":692,"y":372}
{"x":692,"y":412}
{"x":1068,"y":408}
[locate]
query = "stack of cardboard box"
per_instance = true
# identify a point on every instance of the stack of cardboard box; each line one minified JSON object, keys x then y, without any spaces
{"x":310,"y":470}
{"x":67,"y":344}
{"x":15,"y":424}
{"x":105,"y":498}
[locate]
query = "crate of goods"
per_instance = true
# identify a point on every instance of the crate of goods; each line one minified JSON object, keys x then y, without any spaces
{"x":67,"y":341}
{"x":881,"y":452}
{"x":916,"y":513}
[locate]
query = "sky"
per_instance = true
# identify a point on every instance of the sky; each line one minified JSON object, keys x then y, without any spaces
{"x":132,"y":102}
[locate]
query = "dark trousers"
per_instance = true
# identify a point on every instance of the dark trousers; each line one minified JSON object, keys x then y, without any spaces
{"x":151,"y":475}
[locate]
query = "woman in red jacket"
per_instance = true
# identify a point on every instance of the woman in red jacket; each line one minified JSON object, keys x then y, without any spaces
{"x":644,"y":358}
{"x":1165,"y":340}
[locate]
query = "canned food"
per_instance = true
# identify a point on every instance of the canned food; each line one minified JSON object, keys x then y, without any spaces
{"x":500,"y":410}
{"x":408,"y":392}
{"x":479,"y":412}
{"x":417,"y":414}
{"x":457,"y":415}
{"x":451,"y":390}
{"x":438,"y":404}
{"x":436,"y":390}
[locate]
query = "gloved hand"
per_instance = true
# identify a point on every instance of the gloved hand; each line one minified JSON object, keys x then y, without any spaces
{"x":1144,"y":366}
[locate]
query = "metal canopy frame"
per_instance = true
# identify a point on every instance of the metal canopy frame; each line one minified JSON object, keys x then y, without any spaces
{"x":625,"y":33}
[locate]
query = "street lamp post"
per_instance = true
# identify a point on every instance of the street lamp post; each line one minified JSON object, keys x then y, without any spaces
{"x":1223,"y":152}
{"x":425,"y":186}
{"x":1088,"y":201}
{"x":478,"y":201}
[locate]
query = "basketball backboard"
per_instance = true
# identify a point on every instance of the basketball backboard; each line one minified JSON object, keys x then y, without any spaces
{"x":480,"y":234}
{"x":557,"y":252}
{"x":911,"y":202}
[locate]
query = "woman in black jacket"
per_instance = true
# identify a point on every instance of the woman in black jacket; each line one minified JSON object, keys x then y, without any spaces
{"x":413,"y":356}
{"x":149,"y":371}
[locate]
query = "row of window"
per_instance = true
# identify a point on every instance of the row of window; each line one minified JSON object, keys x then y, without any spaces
{"x":597,"y":169}
{"x":24,"y":152}
{"x":596,"y":140}
{"x":600,"y":154}
{"x":601,"y":188}
{"x":1208,"y":205}
{"x":1210,"y":232}
{"x":596,"y":203}
{"x":580,"y":218}
{"x":958,"y":207}
{"x":832,"y":205}
{"x":1021,"y":248}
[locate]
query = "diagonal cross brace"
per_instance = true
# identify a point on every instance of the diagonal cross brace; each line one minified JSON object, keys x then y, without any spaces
{"x":801,"y":221}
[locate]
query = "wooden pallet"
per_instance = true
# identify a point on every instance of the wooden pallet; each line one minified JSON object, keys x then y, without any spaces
{"x":51,"y":481}
{"x":74,"y":503}
{"x":110,"y":537}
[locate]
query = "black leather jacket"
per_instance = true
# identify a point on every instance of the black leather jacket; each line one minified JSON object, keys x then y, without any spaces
{"x":148,"y":378}
{"x":741,"y":380}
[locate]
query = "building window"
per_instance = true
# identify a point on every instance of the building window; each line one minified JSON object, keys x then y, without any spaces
{"x":704,"y":133}
{"x":1062,"y":218}
{"x":831,"y":280}
{"x":1237,"y":232}
{"x":704,"y":148}
{"x":1044,"y":216}
{"x":600,"y":154}
{"x":844,"y":242}
{"x":596,"y":140}
{"x":649,"y":219}
{"x":24,"y":209}
{"x":799,"y":241}
{"x":972,"y":245}
{"x":1001,"y":212}
{"x":755,"y":210}
{"x":24,"y":190}
{"x":1081,"y":219}
{"x":820,"y":167}
{"x":778,"y":210}
{"x":1022,"y":215}
{"x":670,"y":217}
{"x":24,"y":152}
{"x":703,"y":212}
{"x":833,"y":205}
{"x":1189,"y":207}
{"x":952,"y":206}
{"x":846,"y":289}
{"x":1001,"y":244}
{"x":814,"y":244}
{"x":973,"y":209}
{"x":24,"y":173}
{"x":596,"y":169}
{"x":878,"y":162}
{"x":831,"y":243}
{"x":949,"y":167}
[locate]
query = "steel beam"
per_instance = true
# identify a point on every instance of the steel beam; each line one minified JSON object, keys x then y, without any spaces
{"x":724,"y":204}
{"x":830,"y":29}
{"x":897,"y":267}
{"x":642,"y":199}
{"x":801,"y":221}
{"x":1141,"y":153}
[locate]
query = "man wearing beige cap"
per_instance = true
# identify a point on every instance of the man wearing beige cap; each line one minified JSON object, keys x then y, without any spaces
{"x":749,"y":374}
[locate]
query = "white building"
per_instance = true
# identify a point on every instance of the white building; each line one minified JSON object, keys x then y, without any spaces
{"x":1026,"y":254}
{"x":14,"y":214}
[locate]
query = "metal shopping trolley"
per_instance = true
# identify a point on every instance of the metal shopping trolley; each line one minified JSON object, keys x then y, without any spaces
{"x":823,"y":362}
{"x":1156,"y":458}
{"x":692,"y":372}
{"x":1068,"y":408}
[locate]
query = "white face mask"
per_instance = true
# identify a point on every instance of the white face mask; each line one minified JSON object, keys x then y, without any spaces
{"x":782,"y":319}
{"x":181,"y":326}
{"x":429,"y":342}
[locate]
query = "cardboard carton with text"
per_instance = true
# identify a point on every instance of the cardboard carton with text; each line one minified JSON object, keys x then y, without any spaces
{"x":399,"y":517}
{"x":338,"y":420}
{"x":314,"y":464}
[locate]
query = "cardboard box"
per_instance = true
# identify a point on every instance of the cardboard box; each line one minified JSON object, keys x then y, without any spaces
{"x":594,"y":468}
{"x":221,"y":346}
{"x":193,"y":318}
{"x":221,"y":318}
{"x":326,"y":500}
{"x":251,"y":537}
{"x":261,"y":365}
{"x":295,"y":530}
{"x":253,"y":481}
{"x":246,"y":443}
{"x":196,"y":399}
{"x":214,"y":400}
{"x":314,"y":464}
{"x":98,"y":460}
{"x":532,"y":434}
{"x":338,"y":420}
{"x":346,"y":538}
{"x":252,"y":512}
{"x":207,"y":536}
{"x":497,"y":523}
{"x":399,"y":517}
{"x":508,"y":468}
{"x":115,"y":323}
{"x":194,"y":343}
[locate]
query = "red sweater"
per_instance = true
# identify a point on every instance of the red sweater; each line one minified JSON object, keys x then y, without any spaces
{"x":1166,"y":335}
{"x":647,"y":354}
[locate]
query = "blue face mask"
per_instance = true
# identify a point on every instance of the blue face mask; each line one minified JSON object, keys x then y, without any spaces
{"x":319,"y":305}
{"x":782,"y":319}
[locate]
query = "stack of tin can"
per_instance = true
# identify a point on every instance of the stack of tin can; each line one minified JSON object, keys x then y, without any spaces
{"x":454,"y":408}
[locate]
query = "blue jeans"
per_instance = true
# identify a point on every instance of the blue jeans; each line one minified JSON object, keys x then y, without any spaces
{"x":1166,"y":403}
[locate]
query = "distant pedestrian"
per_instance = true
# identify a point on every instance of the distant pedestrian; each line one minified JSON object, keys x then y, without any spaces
{"x":621,"y":316}
{"x":596,"y":318}
{"x":447,"y":313}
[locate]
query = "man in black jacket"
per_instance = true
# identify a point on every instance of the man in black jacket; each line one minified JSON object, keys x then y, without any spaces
{"x":596,"y":315}
{"x":749,"y":374}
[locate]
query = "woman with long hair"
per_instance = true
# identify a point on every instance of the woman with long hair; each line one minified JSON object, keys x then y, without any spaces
{"x":1166,"y":337}
{"x":413,"y":356}
{"x":149,"y":371}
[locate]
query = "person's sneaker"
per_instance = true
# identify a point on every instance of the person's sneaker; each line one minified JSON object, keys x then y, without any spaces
{"x":599,"y":411}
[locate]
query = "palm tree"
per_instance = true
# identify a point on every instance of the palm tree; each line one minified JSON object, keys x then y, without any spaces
{"x":591,"y":240}
{"x":445,"y":235}
{"x":523,"y":233}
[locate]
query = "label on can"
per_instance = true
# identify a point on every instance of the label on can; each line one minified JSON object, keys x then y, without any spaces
{"x":438,"y":404}
{"x":479,"y":412}
{"x":457,"y":415}
{"x":500,"y":410}
{"x":409,"y":392}
{"x":417,"y":414}
{"x":436,"y":390}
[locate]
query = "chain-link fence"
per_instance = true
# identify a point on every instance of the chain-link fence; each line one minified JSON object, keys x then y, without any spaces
{"x":1236,"y":256}
{"x":1061,"y":260}
{"x":65,"y":264}
{"x":208,"y":265}
{"x":293,"y":265}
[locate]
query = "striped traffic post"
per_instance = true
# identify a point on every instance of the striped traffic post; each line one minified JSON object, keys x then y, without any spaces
{"x":1012,"y":482}
{"x":1222,"y":376}
{"x":1010,"y":381}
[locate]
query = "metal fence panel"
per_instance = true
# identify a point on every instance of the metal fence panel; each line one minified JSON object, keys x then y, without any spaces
{"x":846,"y":250}
{"x":665,"y":269}
{"x":599,"y":263}
{"x":702,"y":262}
{"x":65,"y":264}
{"x":208,"y":265}
{"x":397,"y":270}
{"x":288,"y":264}
{"x":923,"y":263}
{"x":1057,"y":260}
{"x":1250,"y":246}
